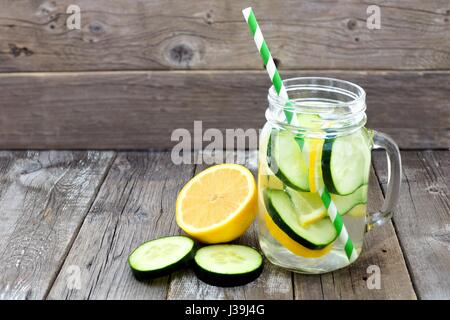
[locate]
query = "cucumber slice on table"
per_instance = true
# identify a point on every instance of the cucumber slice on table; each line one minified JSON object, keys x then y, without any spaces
{"x":346,"y":162}
{"x":227,"y":265}
{"x":287,"y":161}
{"x":160,"y":257}
{"x":314,"y":236}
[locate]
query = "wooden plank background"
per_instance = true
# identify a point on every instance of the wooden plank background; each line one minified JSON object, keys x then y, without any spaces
{"x":202,"y":34}
{"x":141,"y":109}
{"x":139,"y":69}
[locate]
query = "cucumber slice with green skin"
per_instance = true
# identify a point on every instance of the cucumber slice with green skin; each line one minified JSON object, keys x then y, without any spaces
{"x":346,"y":163}
{"x":227,"y":265}
{"x":314,"y":236}
{"x":287,"y":161}
{"x":358,"y":211}
{"x":160,"y":257}
{"x":345,"y":203}
{"x":309,"y":206}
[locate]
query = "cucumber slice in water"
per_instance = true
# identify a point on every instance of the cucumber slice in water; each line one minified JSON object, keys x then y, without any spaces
{"x":310,"y":208}
{"x":358,"y":211}
{"x":348,"y":202}
{"x":160,"y":257}
{"x":227,"y":265}
{"x":314,"y":236}
{"x":346,"y":162}
{"x":287,"y":161}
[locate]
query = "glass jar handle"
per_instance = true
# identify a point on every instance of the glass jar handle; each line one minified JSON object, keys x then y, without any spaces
{"x":383,"y":141}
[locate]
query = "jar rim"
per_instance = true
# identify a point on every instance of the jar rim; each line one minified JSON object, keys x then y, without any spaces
{"x":355,"y":94}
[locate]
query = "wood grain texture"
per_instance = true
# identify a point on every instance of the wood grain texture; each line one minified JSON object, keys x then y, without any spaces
{"x":381,"y":248}
{"x":44,"y":197}
{"x":135,"y":204}
{"x":205,"y":34}
{"x":274,"y":282}
{"x":422,"y":219}
{"x":141,"y":109}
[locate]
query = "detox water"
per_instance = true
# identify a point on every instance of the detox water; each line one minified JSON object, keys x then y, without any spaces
{"x":276,"y":244}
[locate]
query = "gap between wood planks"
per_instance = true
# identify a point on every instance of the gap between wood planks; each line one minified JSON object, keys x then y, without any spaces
{"x":77,"y":230}
{"x":422,"y":219}
{"x":378,"y":72}
{"x":44,"y":198}
{"x":383,"y":191}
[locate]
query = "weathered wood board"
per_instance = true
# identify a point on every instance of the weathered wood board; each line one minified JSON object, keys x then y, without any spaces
{"x":202,"y":34}
{"x":44,"y":197}
{"x":141,"y":109}
{"x":135,"y":204}
{"x":52,"y":230}
{"x":422,"y":219}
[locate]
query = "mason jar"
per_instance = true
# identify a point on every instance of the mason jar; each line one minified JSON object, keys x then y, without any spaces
{"x":313,"y":175}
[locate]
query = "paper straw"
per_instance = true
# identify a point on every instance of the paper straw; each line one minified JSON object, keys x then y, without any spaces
{"x":274,"y":75}
{"x":263,"y":50}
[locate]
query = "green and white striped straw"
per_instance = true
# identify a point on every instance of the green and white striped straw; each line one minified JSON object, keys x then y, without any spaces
{"x":274,"y":75}
{"x":267,"y":58}
{"x":338,"y":223}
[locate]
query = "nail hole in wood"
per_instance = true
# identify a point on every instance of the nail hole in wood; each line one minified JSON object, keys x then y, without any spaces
{"x":27,"y":51}
{"x":276,"y":61}
{"x":351,"y":24}
{"x":209,"y":17}
{"x":15,"y":51}
{"x":95,"y":27}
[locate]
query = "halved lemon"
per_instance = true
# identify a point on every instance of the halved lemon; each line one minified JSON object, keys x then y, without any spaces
{"x":218,"y":204}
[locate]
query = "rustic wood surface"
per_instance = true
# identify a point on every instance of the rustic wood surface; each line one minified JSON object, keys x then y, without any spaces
{"x":44,"y":197}
{"x":141,"y":109}
{"x":422,"y":220}
{"x":67,"y":211}
{"x":136,"y":202}
{"x":202,"y":34}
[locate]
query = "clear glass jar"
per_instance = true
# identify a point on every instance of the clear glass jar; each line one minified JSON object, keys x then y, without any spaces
{"x":316,"y":143}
